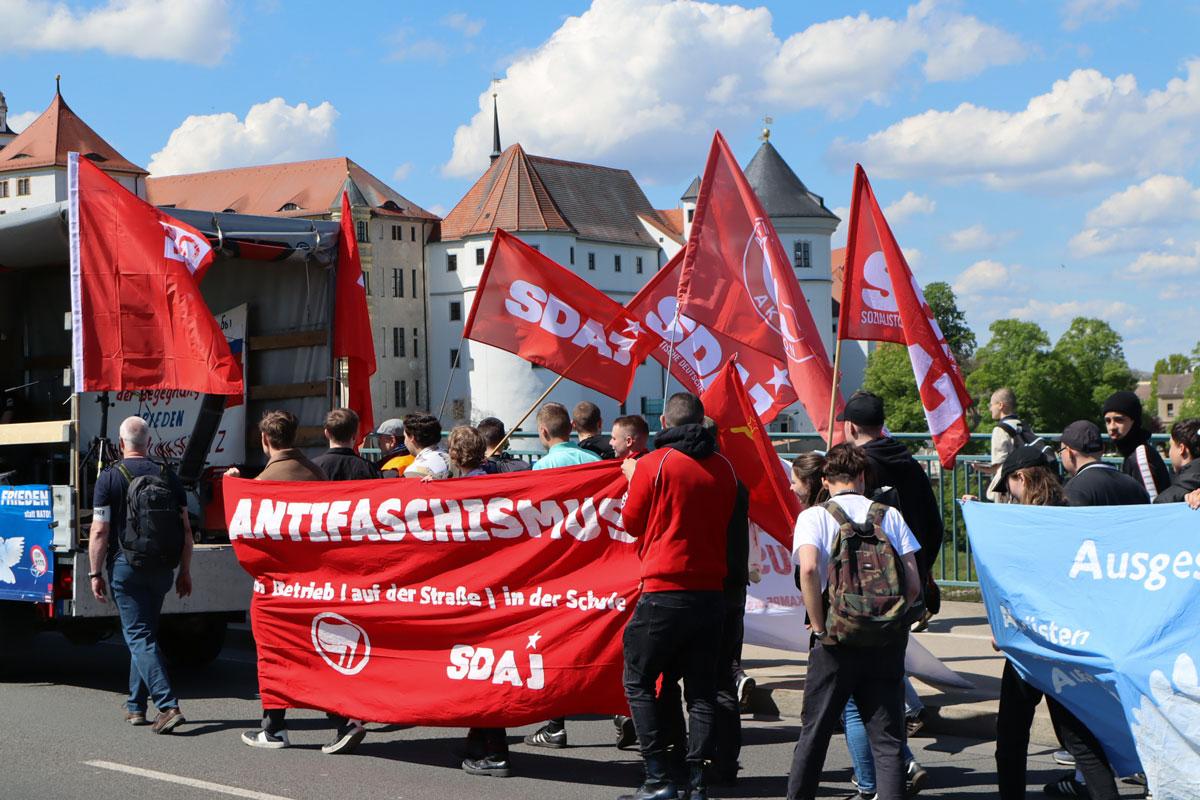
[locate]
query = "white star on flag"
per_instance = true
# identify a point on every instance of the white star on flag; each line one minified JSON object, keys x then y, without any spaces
{"x":779,"y":379}
{"x":362,"y":281}
{"x":533,"y":640}
{"x":632,"y":328}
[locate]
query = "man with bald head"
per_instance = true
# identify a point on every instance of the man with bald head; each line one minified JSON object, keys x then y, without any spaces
{"x":1005,"y":437}
{"x":138,"y":589}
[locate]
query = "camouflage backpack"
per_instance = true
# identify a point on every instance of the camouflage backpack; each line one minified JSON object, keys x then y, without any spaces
{"x":864,"y":600}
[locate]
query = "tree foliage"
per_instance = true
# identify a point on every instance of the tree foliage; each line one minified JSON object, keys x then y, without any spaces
{"x":1018,"y":355}
{"x":952,"y":321}
{"x":1094,"y":349}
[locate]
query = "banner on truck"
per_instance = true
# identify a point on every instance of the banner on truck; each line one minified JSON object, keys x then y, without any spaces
{"x":171,"y":414}
{"x":26,"y":562}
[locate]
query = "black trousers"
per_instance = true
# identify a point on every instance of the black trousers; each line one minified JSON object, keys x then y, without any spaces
{"x":729,"y":712}
{"x":483,"y":742}
{"x":874,"y":677}
{"x":275,"y":720}
{"x":1018,"y":702}
{"x":674,"y":634}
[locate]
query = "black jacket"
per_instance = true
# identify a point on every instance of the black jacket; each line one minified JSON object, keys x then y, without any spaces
{"x":1143,"y":462}
{"x":1100,"y":484}
{"x":892,"y":465}
{"x":599,"y":445}
{"x":343,"y":464}
{"x":1187,"y":480}
{"x":505,"y":462}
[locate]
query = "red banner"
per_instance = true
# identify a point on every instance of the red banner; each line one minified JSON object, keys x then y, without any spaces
{"x":744,"y":441}
{"x":700,"y":352}
{"x":137,"y":315}
{"x":488,"y":601}
{"x":532,"y":307}
{"x":737,"y":278}
{"x":352,"y":339}
{"x":876,"y":307}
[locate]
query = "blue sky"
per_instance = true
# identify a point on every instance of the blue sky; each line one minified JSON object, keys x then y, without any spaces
{"x":1039,"y":156}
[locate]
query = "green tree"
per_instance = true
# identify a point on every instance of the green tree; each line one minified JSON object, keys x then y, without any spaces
{"x":1094,"y":349}
{"x":889,"y":372}
{"x":1191,"y":401}
{"x":1174,"y":364}
{"x":1049,"y":392}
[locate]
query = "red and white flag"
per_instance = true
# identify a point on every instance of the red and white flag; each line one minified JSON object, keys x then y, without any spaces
{"x":738,"y":279}
{"x":352,"y":338}
{"x":138,"y":318}
{"x":532,"y":307}
{"x":744,"y":441}
{"x":881,"y":301}
{"x":699,"y":352}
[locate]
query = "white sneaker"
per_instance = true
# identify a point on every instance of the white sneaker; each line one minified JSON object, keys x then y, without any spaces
{"x":267,"y":741}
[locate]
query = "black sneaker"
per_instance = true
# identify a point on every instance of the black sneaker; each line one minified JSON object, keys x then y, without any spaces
{"x":745,"y":688}
{"x":1067,"y":787}
{"x":862,"y":796}
{"x":544,"y":737}
{"x":493,"y":766}
{"x":347,"y":737}
{"x":914,"y":778}
{"x":626,"y":735}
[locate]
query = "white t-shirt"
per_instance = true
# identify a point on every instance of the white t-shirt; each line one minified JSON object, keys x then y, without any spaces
{"x":432,"y":461}
{"x":817,"y":527}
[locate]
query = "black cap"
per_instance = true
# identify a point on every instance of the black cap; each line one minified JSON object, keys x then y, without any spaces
{"x":1083,"y":436}
{"x":1126,"y":403}
{"x":1028,"y":455}
{"x":863,"y":408}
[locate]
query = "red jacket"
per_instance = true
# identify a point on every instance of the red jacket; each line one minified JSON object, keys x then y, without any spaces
{"x":679,"y":504}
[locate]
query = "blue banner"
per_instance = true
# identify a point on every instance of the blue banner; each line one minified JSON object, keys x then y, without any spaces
{"x":26,"y":561}
{"x":1100,"y":609}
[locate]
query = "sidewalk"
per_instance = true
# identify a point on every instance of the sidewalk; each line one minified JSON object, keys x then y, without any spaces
{"x":959,"y":636}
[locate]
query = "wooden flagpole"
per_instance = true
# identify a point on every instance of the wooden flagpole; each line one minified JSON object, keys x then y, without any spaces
{"x":500,"y":445}
{"x":833,"y":393}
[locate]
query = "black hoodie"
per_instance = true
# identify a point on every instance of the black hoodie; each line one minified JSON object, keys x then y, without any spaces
{"x":1143,"y":462}
{"x":892,"y":465}
{"x":1187,"y":480}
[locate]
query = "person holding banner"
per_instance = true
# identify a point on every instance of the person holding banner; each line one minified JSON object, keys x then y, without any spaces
{"x":340,"y":462}
{"x":1185,"y":460}
{"x":498,"y":462}
{"x":1123,"y":419}
{"x":423,"y":438}
{"x":630,"y":437}
{"x":681,"y":500}
{"x":585,"y":419}
{"x":1094,"y":483}
{"x":396,"y":457}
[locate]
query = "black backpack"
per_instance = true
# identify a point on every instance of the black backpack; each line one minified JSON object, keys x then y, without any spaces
{"x":153,"y":534}
{"x":1025,"y":436}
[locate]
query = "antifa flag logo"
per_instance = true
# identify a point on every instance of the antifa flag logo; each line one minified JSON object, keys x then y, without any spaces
{"x":758,"y":276}
{"x":184,"y":246}
{"x":344,"y":645}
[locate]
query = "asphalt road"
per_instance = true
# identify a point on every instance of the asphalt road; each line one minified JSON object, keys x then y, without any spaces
{"x":61,"y":710}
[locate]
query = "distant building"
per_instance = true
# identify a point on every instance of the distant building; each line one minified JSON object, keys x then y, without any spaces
{"x":33,"y":163}
{"x":1171,"y":389}
{"x":392,"y":232}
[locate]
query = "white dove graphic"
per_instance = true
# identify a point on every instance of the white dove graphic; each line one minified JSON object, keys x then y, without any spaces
{"x":11,"y":551}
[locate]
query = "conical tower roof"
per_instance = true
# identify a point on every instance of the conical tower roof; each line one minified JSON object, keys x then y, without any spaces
{"x":58,"y":131}
{"x":510,"y":195}
{"x":780,"y":191}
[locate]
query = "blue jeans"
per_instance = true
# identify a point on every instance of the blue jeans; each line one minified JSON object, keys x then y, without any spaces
{"x":860,"y":748}
{"x":139,"y":595}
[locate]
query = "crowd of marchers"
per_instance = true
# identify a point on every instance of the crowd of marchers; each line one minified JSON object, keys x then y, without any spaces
{"x":870,"y":529}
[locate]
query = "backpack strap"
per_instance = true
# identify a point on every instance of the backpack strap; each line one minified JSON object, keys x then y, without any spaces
{"x":125,"y":473}
{"x":1009,"y":429}
{"x":875,"y":515}
{"x":836,"y":511}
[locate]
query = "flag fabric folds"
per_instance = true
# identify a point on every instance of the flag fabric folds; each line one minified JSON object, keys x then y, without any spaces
{"x":743,"y":440}
{"x":699,"y":352}
{"x":738,"y":279}
{"x":530,"y":306}
{"x":352,"y":338}
{"x":138,"y":318}
{"x":881,"y":301}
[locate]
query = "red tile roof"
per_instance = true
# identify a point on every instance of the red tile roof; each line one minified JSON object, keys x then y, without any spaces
{"x":58,"y":131}
{"x":837,"y":260}
{"x":523,"y":193}
{"x":297,"y":189}
{"x":663,"y":220}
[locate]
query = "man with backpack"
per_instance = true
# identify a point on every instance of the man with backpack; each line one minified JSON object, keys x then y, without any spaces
{"x":1009,"y":434}
{"x":851,"y":546}
{"x":140,"y":533}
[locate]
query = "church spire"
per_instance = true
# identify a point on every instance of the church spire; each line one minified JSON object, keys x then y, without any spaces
{"x":495,"y":129}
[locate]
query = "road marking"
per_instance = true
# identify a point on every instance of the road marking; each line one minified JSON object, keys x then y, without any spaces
{"x":167,"y":777}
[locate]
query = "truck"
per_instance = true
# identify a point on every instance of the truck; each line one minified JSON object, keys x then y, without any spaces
{"x":271,"y":288}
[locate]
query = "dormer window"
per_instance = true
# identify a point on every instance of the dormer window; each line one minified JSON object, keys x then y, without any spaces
{"x":289,"y":207}
{"x":95,"y":157}
{"x":390,"y":205}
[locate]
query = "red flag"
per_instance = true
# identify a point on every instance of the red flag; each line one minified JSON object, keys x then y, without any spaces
{"x":699,"y":352}
{"x":138,"y":318}
{"x":882,"y":301}
{"x":352,"y":323}
{"x":738,"y":279}
{"x":744,"y":441}
{"x":501,"y":599}
{"x":529,"y":305}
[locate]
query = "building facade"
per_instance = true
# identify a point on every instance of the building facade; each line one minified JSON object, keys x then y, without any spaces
{"x":392,"y":233}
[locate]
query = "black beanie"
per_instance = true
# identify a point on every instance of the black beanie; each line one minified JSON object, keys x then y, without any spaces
{"x":1126,"y":403}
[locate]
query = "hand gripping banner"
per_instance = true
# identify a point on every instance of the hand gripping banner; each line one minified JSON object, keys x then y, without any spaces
{"x":487,"y":601}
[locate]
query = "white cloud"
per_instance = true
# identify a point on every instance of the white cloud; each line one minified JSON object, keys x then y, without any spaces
{"x":438,"y":209}
{"x":912,"y":255}
{"x":1115,"y":312}
{"x":570,"y":97}
{"x":272,"y":132}
{"x":1077,"y":12}
{"x":1138,"y":216}
{"x":467,"y":26}
{"x":1087,"y":128}
{"x":1159,"y":263}
{"x":194,"y":31}
{"x":402,"y":172}
{"x":976,"y":237}
{"x":908,"y":206}
{"x":19,"y":122}
{"x":406,"y":46}
{"x":985,"y":276}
